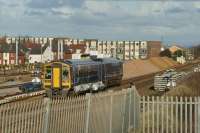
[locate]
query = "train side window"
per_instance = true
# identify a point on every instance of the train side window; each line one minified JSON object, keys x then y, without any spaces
{"x":65,"y":73}
{"x":48,"y":73}
{"x":93,"y":73}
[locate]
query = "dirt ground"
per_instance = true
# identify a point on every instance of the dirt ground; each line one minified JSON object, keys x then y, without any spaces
{"x":189,"y":87}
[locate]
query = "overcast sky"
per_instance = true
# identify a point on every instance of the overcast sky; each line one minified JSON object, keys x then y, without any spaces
{"x":175,"y":21}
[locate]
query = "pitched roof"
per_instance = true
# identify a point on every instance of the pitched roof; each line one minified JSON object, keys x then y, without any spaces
{"x":55,"y":48}
{"x":31,"y":45}
{"x":174,"y":48}
{"x":38,"y":50}
{"x":11,"y":48}
{"x":35,"y":50}
{"x":81,"y":47}
{"x":66,"y":48}
{"x":2,"y":40}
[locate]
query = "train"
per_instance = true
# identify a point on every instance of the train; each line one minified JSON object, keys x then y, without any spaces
{"x":80,"y":75}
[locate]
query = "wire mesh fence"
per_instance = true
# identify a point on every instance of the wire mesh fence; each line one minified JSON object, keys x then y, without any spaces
{"x":107,"y":112}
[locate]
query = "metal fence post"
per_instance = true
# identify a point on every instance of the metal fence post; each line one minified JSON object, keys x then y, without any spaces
{"x":123,"y":113}
{"x":137,"y":109}
{"x":196,"y":115}
{"x":198,"y":119}
{"x":111,"y":109}
{"x":129,"y":115}
{"x":47,"y":102}
{"x":88,"y":96}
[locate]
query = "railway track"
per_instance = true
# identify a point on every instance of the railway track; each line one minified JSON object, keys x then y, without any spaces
{"x":146,"y":81}
{"x":142,"y":81}
{"x":22,"y":96}
{"x":19,"y":95}
{"x":14,"y":74}
{"x":12,"y":86}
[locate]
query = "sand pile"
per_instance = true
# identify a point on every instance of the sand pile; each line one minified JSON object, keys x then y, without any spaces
{"x":163,"y":62}
{"x":170,"y":61}
{"x":137,"y":68}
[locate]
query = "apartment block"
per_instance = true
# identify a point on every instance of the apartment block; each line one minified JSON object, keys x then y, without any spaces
{"x":124,"y":50}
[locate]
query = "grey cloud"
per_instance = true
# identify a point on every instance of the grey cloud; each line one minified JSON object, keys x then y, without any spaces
{"x":60,"y":13}
{"x":34,"y":13}
{"x":176,"y":10}
{"x":85,"y":19}
{"x":40,"y":19}
{"x":1,"y":3}
{"x":8,"y":4}
{"x":198,"y":10}
{"x":157,"y":10}
{"x":44,"y":4}
{"x":100,"y":14}
{"x":125,"y":20}
{"x":13,"y":5}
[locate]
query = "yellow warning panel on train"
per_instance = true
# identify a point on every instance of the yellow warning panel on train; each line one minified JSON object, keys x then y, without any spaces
{"x":56,"y":77}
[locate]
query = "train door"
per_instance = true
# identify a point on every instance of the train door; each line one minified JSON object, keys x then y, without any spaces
{"x":66,"y":78}
{"x":56,"y":78}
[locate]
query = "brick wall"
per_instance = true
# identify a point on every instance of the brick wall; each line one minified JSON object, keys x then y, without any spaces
{"x":154,"y":48}
{"x":12,"y":58}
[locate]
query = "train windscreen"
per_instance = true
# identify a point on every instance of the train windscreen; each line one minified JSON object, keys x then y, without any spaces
{"x":48,"y":72}
{"x":65,"y":73}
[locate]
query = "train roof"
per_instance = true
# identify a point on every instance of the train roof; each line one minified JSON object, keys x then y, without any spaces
{"x":91,"y":61}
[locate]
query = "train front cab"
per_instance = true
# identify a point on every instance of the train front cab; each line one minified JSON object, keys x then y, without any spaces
{"x":57,"y":77}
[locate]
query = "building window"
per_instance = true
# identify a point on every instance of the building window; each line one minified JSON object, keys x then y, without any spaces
{"x":12,"y":55}
{"x":12,"y":62}
{"x":5,"y":62}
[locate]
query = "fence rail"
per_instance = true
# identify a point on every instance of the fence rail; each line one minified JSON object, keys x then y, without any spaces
{"x":108,"y":112}
{"x":170,"y":115}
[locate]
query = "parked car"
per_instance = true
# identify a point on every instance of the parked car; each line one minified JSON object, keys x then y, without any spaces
{"x":31,"y":86}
